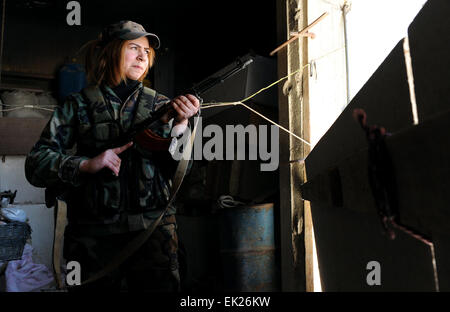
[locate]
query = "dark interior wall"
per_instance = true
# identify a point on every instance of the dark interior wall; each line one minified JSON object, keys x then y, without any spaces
{"x":212,"y":34}
{"x":36,"y":42}
{"x":198,"y":37}
{"x":37,"y":39}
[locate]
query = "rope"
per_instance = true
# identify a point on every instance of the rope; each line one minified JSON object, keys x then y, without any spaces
{"x":211,"y":104}
{"x":272,"y":84}
{"x":17,"y":107}
{"x":221,"y":104}
{"x":226,"y":201}
{"x":279,"y":126}
{"x":28,"y":106}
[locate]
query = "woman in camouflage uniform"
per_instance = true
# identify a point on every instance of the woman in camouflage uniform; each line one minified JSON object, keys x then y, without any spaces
{"x":105,"y":211}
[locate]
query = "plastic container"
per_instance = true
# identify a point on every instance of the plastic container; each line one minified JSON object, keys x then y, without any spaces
{"x":71,"y":78}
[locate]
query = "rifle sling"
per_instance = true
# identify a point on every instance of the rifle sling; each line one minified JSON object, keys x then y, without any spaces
{"x":139,"y":240}
{"x":60,"y":224}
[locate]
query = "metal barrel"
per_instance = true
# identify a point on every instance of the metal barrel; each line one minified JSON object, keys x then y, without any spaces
{"x":247,"y":248}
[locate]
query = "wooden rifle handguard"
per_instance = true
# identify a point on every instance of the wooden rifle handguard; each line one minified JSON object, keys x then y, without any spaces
{"x":152,"y":142}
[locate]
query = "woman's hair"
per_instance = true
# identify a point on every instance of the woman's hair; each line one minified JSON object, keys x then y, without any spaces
{"x":105,"y":62}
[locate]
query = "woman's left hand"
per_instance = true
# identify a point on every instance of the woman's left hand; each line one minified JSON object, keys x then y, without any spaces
{"x":186,"y":106}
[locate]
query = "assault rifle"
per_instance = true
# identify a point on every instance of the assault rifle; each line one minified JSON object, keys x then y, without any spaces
{"x":130,"y":135}
{"x":197,"y":90}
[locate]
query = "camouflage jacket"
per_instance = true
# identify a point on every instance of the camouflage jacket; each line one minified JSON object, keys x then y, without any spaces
{"x":85,"y":123}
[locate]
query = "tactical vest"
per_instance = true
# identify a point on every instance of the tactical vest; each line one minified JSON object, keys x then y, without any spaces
{"x":143,"y":183}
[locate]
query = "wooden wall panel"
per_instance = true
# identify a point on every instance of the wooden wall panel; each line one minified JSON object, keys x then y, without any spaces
{"x":384,"y":97}
{"x":347,"y":239}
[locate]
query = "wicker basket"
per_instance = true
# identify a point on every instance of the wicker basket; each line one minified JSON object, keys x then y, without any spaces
{"x":13,"y":237}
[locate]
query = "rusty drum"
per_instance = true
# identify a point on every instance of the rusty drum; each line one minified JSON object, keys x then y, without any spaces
{"x":247,"y":248}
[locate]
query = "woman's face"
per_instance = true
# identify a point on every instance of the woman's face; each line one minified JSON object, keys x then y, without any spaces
{"x":136,"y":57}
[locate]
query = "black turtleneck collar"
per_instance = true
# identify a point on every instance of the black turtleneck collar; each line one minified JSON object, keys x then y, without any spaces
{"x":124,"y":89}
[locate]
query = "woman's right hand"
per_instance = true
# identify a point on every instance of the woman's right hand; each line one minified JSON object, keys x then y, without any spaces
{"x":108,"y":159}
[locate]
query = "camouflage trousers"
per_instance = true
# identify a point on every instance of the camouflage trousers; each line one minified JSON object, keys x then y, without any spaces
{"x":153,"y":267}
